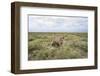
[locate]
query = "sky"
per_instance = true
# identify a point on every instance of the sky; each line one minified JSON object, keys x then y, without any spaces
{"x":40,"y":23}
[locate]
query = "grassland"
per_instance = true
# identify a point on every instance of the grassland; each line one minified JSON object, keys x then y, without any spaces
{"x":40,"y":48}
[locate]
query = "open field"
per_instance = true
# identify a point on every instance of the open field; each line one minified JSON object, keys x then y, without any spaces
{"x":40,"y":46}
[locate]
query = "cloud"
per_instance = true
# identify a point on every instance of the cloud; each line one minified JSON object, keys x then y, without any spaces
{"x":57,"y":24}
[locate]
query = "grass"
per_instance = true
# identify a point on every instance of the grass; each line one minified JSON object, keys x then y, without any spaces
{"x":40,"y":48}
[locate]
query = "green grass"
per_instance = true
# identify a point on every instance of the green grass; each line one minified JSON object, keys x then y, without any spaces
{"x":40,"y":48}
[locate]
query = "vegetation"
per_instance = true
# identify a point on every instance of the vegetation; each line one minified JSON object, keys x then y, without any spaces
{"x":40,"y":46}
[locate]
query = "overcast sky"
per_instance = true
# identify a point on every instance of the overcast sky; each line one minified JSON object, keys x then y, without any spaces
{"x":57,"y":24}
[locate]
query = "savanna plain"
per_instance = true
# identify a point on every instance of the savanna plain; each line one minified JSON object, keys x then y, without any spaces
{"x":42,"y":45}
